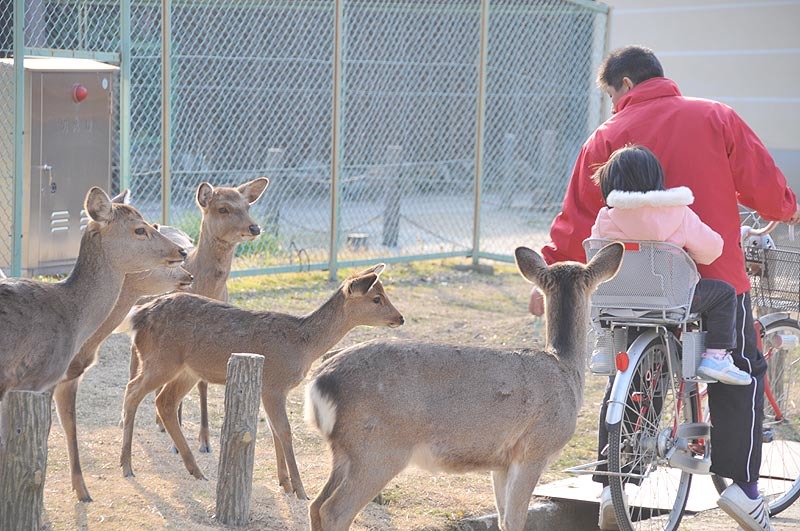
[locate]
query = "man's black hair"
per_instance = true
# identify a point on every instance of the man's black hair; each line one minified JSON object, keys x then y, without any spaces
{"x":637,"y":63}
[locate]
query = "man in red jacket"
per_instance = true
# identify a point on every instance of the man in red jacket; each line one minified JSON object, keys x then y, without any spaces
{"x":705,"y":146}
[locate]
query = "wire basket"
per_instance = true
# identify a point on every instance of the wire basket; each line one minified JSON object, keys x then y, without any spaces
{"x":775,"y":278}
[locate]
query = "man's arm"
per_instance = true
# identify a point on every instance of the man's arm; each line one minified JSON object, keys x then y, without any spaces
{"x":573,"y":224}
{"x":760,"y":184}
{"x":582,"y":202}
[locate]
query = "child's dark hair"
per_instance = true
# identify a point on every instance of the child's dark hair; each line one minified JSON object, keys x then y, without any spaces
{"x":630,"y":169}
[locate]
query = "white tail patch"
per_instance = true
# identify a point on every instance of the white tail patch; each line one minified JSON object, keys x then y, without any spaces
{"x":125,"y":326}
{"x":320,"y":411}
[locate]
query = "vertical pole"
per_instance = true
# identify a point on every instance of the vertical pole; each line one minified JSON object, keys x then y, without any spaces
{"x":336,"y":136}
{"x":19,"y":134}
{"x":125,"y":95}
{"x":479,"y":141}
{"x":166,"y":101}
{"x":238,"y":438}
{"x":25,"y":426}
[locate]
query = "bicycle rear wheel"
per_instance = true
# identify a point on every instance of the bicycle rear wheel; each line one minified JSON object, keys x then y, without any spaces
{"x":638,"y":445}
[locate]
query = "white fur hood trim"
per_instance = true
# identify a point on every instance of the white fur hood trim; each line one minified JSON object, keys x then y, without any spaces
{"x":680,"y":196}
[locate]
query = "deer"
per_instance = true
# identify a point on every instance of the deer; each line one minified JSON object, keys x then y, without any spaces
{"x":182,"y":338}
{"x":383,"y":405}
{"x":44,"y":324}
{"x":225,"y":223}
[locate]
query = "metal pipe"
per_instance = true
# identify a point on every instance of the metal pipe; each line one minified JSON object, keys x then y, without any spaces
{"x":479,"y":140}
{"x":336,"y":136}
{"x":19,"y":135}
{"x":125,"y":94}
{"x":166,"y":100}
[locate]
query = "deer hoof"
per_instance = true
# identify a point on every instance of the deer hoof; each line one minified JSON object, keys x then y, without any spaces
{"x":197,"y":473}
{"x":173,"y":449}
{"x":205,"y":448}
{"x":128,"y":473}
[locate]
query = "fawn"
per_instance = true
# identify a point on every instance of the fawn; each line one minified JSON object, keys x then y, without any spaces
{"x":383,"y":405}
{"x":44,"y":324}
{"x":225,"y":223}
{"x":180,"y":339}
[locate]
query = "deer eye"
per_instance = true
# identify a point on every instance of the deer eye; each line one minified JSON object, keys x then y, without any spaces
{"x":223,"y":210}
{"x":140,"y":231}
{"x":376,"y":300}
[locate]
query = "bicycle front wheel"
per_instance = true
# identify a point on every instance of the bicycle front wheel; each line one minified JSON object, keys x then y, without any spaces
{"x":779,"y":479}
{"x":647,"y":493}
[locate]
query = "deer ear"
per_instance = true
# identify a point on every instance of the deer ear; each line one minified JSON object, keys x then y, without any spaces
{"x":377,"y":269}
{"x":531,"y":265}
{"x":204,"y":193}
{"x":123,"y":198}
{"x":98,"y":205}
{"x":605,"y":264}
{"x":361,"y":285}
{"x":253,"y":190}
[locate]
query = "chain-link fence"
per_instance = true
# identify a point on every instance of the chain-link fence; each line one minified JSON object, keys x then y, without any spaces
{"x":390,"y":129}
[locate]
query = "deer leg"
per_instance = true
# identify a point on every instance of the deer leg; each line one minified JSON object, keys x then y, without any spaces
{"x":65,"y":394}
{"x":144,"y":383}
{"x":167,"y":403}
{"x":367,"y":473}
{"x":284,"y":452}
{"x":499,"y":479}
{"x":521,"y":480}
{"x":205,"y":440}
{"x":339,"y":466}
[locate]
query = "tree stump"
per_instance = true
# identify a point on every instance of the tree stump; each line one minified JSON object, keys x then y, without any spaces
{"x":24,"y":428}
{"x":238,"y":438}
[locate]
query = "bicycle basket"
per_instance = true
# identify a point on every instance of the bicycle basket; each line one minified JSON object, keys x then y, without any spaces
{"x":654,"y":277}
{"x":775,"y":278}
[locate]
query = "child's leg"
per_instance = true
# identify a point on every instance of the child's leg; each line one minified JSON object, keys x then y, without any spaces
{"x":716,"y":300}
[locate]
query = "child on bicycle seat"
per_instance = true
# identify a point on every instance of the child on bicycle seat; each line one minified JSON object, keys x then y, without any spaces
{"x":639,"y":208}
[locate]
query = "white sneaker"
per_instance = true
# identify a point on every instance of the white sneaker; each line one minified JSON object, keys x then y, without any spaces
{"x":723,"y":371}
{"x":607,"y":518}
{"x":752,"y":515}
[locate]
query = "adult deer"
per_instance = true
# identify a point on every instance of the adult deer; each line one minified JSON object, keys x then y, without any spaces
{"x":225,"y":223}
{"x":382,"y":405}
{"x":182,"y":338}
{"x":42,"y":325}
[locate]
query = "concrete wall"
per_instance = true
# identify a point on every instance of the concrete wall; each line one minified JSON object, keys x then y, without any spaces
{"x":743,"y":53}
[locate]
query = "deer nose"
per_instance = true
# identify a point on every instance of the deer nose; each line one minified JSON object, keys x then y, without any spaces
{"x":255,"y":230}
{"x":402,"y":320}
{"x":183,"y":253}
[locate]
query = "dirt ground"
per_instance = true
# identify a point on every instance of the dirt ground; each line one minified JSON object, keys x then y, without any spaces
{"x":439,"y":302}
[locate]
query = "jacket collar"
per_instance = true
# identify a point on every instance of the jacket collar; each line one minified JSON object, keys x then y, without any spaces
{"x":680,"y":196}
{"x":657,"y":87}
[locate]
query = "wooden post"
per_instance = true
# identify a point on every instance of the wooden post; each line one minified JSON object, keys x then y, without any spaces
{"x":24,"y":428}
{"x":238,"y":438}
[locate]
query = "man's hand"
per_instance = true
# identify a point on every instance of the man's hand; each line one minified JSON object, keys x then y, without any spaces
{"x":795,"y":219}
{"x":536,"y":304}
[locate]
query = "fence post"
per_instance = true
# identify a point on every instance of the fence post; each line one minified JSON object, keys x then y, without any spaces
{"x":238,"y":438}
{"x":390,"y":173}
{"x":24,"y":428}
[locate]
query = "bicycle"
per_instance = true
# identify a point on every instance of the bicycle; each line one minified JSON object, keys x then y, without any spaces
{"x":658,"y":436}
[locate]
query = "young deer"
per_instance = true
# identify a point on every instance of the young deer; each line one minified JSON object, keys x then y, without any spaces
{"x":44,"y":324}
{"x":225,"y":223}
{"x":384,"y":404}
{"x":182,"y":338}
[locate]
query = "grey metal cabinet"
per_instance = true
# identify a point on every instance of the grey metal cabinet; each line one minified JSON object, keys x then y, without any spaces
{"x":68,"y":131}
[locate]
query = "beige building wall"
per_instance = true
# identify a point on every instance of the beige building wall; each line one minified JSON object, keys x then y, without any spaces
{"x":743,"y":53}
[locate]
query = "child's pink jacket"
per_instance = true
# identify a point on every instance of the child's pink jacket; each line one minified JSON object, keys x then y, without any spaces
{"x":660,"y":215}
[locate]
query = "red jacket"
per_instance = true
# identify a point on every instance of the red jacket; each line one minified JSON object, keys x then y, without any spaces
{"x":703,"y":145}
